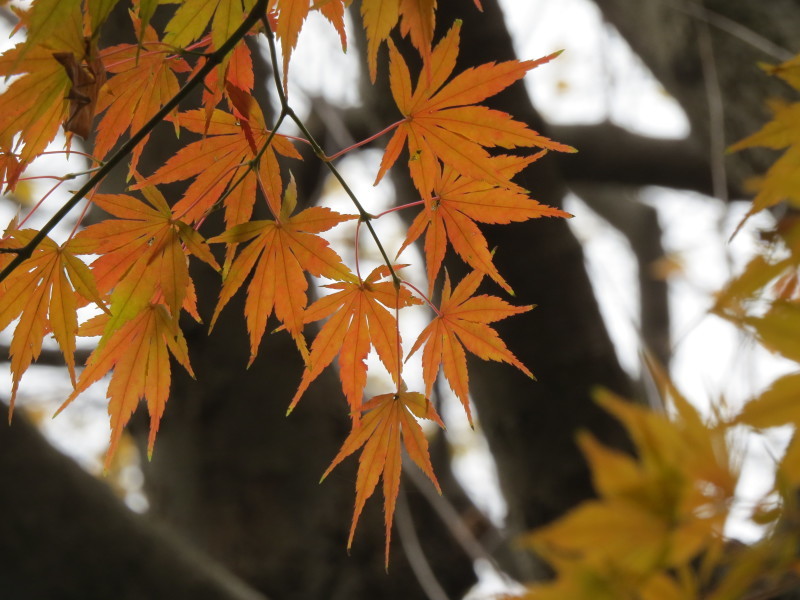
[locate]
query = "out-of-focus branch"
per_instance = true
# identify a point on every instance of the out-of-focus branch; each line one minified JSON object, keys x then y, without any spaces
{"x":638,"y":222}
{"x":612,"y":155}
{"x":86,"y":544}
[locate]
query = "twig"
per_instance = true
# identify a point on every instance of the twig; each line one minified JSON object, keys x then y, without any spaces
{"x":737,"y":30}
{"x":414,"y":552}
{"x":364,"y":216}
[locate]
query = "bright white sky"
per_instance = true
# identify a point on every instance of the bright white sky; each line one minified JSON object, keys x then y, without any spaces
{"x":596,"y":78}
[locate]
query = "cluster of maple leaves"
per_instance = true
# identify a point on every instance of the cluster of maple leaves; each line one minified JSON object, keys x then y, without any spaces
{"x":138,"y":274}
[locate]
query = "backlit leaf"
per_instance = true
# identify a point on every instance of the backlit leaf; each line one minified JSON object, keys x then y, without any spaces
{"x":389,"y":424}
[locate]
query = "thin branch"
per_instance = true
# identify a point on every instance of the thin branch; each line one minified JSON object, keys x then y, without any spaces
{"x":716,"y":113}
{"x":450,"y":517}
{"x":213,"y":60}
{"x":414,"y":552}
{"x":364,"y":216}
{"x":737,"y":30}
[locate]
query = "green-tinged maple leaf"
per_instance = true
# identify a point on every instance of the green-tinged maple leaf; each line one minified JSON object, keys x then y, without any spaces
{"x":359,"y":320}
{"x":143,"y":251}
{"x":145,"y":12}
{"x":34,"y":105}
{"x":193,"y":16}
{"x":46,"y":18}
{"x":462,"y":322}
{"x":143,"y":80}
{"x":44,"y":293}
{"x":458,"y":202}
{"x":138,"y":352}
{"x":388,"y":425}
{"x":441,"y":122}
{"x":221,"y":158}
{"x":279,"y":253}
{"x":98,"y":13}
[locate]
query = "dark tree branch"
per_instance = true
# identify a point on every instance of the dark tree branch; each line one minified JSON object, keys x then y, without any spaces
{"x":609,"y":154}
{"x":638,"y":222}
{"x":65,"y":535}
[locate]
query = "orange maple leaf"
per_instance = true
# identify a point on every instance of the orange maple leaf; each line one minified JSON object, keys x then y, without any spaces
{"x":417,"y":20}
{"x":220,"y":159}
{"x":462,"y":322}
{"x":143,"y":81}
{"x":44,"y":293}
{"x":458,"y":202}
{"x":389,"y":419}
{"x":280,"y":252}
{"x":441,"y":122}
{"x":359,"y":319}
{"x":288,"y":17}
{"x":143,"y":252}
{"x":138,"y":352}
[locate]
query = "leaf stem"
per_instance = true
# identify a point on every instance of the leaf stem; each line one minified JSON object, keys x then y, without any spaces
{"x":213,"y":60}
{"x":421,"y":295}
{"x":396,"y":208}
{"x":366,"y":141}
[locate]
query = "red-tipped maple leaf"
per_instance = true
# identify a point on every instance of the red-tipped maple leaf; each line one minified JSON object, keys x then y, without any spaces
{"x":462,"y":322}
{"x":220,"y":159}
{"x":44,"y":293}
{"x":359,"y":319}
{"x":143,"y":252}
{"x":138,"y":352}
{"x":458,"y":202}
{"x":389,"y":420}
{"x":143,"y":80}
{"x":280,"y":253}
{"x":441,"y":122}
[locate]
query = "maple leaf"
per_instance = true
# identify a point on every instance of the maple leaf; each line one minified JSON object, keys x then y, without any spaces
{"x":221,"y":158}
{"x":441,"y":122}
{"x":138,"y":352}
{"x":289,"y":16}
{"x":43,"y":294}
{"x":458,"y":202}
{"x":143,"y":252}
{"x":46,"y":18}
{"x":35,"y":104}
{"x":359,"y":319}
{"x":193,"y":16}
{"x":417,"y":20}
{"x":279,"y":253}
{"x":462,"y":322}
{"x":143,"y":81}
{"x":390,"y":423}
